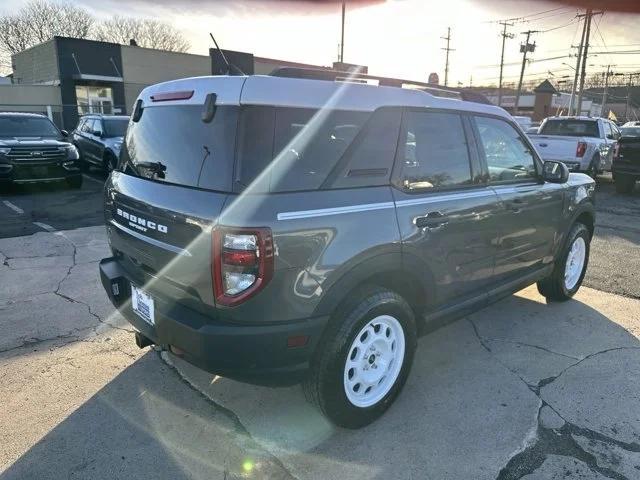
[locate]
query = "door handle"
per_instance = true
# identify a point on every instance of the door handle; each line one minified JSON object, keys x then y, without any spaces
{"x":431,"y":220}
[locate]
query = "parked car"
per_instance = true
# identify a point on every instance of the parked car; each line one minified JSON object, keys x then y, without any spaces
{"x":99,"y":138}
{"x":583,"y":144}
{"x":630,"y":131}
{"x":276,"y":229}
{"x":626,"y":162}
{"x":634,"y":123}
{"x":33,"y":149}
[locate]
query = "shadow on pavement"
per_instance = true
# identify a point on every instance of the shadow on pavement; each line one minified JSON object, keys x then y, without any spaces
{"x":467,"y":409}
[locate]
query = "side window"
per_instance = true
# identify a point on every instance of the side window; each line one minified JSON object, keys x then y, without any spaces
{"x":369,"y":160}
{"x":297,"y":147}
{"x":80,"y":125}
{"x":508,"y":157}
{"x":608,"y":132}
{"x":432,"y":152}
{"x":87,"y":126}
{"x":97,"y":128}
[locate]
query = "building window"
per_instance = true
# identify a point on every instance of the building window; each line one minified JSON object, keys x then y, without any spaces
{"x":94,"y":99}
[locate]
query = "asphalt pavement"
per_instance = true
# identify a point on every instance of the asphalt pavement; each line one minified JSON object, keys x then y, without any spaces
{"x":31,"y":208}
{"x":519,"y":390}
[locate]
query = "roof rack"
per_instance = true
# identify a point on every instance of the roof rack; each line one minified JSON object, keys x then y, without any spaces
{"x":355,"y":77}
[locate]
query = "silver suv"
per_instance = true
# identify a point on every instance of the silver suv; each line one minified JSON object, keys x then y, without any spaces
{"x":277,"y":229}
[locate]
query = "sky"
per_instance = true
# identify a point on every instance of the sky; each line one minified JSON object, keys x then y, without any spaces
{"x":399,"y":38}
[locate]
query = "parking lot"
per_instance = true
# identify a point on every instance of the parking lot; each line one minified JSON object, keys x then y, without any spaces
{"x":522,"y":389}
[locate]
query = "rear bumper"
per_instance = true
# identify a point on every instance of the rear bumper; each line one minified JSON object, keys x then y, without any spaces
{"x":252,"y":353}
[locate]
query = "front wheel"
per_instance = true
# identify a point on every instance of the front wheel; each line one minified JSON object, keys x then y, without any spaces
{"x":570,"y":268}
{"x":364,"y":360}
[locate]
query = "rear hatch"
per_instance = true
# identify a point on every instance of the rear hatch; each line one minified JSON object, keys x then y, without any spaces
{"x":174,"y":176}
{"x":561,"y":149}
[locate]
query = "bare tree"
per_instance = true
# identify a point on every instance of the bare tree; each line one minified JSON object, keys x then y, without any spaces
{"x":39,"y":21}
{"x":146,"y":32}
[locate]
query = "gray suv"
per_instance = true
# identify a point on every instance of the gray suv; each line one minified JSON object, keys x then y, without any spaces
{"x":279,"y":230}
{"x":98,"y":138}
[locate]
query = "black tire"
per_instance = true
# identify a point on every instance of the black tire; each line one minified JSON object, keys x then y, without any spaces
{"x":325,"y":384}
{"x":109,"y":163}
{"x":554,"y":287}
{"x":74,"y":182}
{"x":624,"y":183}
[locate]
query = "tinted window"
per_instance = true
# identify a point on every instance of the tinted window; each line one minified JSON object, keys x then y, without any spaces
{"x":25,"y":126}
{"x":433,"y":151}
{"x":369,"y":160}
{"x":630,"y":131}
{"x":299,"y":146}
{"x":508,"y":157}
{"x":88,"y":126}
{"x":173,"y":144}
{"x":115,"y":127}
{"x":97,"y":127}
{"x":571,"y":128}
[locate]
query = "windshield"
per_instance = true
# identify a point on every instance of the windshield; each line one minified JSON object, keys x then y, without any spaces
{"x":20,"y":126}
{"x":571,"y":128}
{"x":630,"y":131}
{"x":115,"y":127}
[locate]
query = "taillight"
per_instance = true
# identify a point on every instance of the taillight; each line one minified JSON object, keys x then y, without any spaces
{"x":242,"y":263}
{"x":581,"y":149}
{"x":616,"y":150}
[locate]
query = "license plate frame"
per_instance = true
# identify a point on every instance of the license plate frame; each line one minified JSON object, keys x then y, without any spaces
{"x":143,"y":305}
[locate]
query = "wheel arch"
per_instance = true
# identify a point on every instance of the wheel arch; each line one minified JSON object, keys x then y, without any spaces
{"x":387,"y":271}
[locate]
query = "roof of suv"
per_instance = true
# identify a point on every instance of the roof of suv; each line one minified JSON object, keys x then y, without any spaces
{"x":304,"y":93}
{"x":21,"y":114}
{"x":103,"y":115}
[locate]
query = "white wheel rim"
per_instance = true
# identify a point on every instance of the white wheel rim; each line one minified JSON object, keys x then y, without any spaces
{"x":575,"y":263}
{"x":374,"y":361}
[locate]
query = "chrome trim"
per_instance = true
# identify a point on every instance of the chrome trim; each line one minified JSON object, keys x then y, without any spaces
{"x":152,"y":241}
{"x":38,"y":180}
{"x":435,"y":198}
{"x":322,"y":212}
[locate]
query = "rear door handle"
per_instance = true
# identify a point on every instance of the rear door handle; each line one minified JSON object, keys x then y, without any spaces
{"x":431,"y":220}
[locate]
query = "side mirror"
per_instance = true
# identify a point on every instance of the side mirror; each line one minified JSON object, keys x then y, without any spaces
{"x":611,"y":136}
{"x":555,"y":172}
{"x":64,"y":133}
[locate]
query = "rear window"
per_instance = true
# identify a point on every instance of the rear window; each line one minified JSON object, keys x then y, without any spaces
{"x":306,"y":145}
{"x":571,"y":128}
{"x":115,"y":127}
{"x":25,"y":126}
{"x":172,"y":144}
{"x":630,"y":131}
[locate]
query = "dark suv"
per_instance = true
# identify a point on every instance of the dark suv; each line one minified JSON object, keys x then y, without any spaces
{"x":33,"y":149}
{"x":276,"y":229}
{"x":99,"y":138}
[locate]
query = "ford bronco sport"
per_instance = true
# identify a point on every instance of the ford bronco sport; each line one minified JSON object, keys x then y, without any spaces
{"x":276,"y":229}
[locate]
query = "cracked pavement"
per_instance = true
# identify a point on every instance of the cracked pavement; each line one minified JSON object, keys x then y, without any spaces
{"x":519,"y":390}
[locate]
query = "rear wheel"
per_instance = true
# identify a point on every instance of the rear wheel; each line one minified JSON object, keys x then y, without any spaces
{"x":364,"y":360}
{"x":624,"y":183}
{"x":570,"y":268}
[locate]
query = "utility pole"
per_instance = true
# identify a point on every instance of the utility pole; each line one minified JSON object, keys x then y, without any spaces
{"x":524,"y":49}
{"x":577,"y":69}
{"x":344,"y":7}
{"x":606,"y":90}
{"x":447,"y":49}
{"x":504,"y":35}
{"x":585,"y":53}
